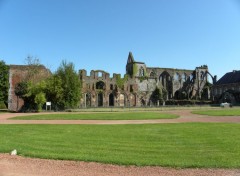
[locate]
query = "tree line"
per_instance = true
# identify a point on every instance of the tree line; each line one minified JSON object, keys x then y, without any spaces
{"x":4,"y":84}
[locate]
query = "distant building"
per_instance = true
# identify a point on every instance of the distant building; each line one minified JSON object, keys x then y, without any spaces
{"x":227,"y":88}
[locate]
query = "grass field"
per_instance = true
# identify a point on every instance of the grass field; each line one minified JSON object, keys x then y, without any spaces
{"x":219,"y":112}
{"x":101,"y":116}
{"x":172,"y":145}
{"x":137,"y":109}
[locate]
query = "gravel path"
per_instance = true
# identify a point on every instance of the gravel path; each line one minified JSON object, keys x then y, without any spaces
{"x":185,"y":116}
{"x":21,"y":166}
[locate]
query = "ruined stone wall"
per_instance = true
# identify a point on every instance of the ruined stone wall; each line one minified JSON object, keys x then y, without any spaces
{"x":176,"y":81}
{"x":137,"y":90}
{"x":111,"y":94}
{"x":142,"y":81}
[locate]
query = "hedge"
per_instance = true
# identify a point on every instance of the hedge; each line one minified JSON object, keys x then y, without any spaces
{"x":2,"y":105}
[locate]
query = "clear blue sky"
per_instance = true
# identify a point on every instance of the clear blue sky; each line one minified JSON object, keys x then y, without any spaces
{"x":98,"y":34}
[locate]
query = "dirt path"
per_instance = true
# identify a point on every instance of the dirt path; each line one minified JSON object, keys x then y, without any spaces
{"x":21,"y":166}
{"x":185,"y":116}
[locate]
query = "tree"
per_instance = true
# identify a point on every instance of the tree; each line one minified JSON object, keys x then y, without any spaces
{"x":159,"y":95}
{"x":21,"y":89}
{"x":4,"y":85}
{"x":33,"y":94}
{"x":36,"y":92}
{"x":40,"y":99}
{"x":54,"y":91}
{"x":71,"y":85}
{"x":33,"y":86}
{"x":156,"y":96}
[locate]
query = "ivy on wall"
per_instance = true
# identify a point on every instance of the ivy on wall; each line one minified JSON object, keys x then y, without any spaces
{"x":121,"y":81}
{"x":146,"y":73}
{"x":142,"y":78}
{"x":135,"y":69}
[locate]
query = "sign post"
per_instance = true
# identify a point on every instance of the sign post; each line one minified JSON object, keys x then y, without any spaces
{"x":48,"y":104}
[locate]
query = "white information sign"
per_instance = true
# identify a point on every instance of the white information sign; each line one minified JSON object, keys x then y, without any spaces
{"x":48,"y":104}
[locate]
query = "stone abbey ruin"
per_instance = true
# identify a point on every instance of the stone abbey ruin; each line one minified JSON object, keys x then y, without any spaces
{"x":140,"y":86}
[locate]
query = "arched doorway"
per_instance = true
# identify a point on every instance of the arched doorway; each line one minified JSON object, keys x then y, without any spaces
{"x":132,"y":99}
{"x":166,"y":80}
{"x":177,"y":95}
{"x":121,"y":100}
{"x":100,"y":99}
{"x":143,"y":102}
{"x":111,"y":99}
{"x":88,"y":100}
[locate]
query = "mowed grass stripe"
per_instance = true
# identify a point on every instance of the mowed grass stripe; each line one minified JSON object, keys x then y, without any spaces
{"x":172,"y":145}
{"x":219,"y":112}
{"x":100,"y":116}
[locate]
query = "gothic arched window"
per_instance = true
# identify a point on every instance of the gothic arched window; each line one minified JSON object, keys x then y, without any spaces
{"x":202,"y":75}
{"x":141,"y":71}
{"x":152,"y":74}
{"x":184,"y":77}
{"x":176,"y":76}
{"x":100,"y":85}
{"x":191,"y":77}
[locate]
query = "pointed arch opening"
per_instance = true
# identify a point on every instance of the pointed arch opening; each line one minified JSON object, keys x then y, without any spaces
{"x":184,"y":77}
{"x":141,"y":71}
{"x":100,"y":100}
{"x":122,"y":100}
{"x":88,"y":100}
{"x":111,"y":99}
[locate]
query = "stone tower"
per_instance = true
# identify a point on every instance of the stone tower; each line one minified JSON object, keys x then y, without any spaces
{"x":135,"y":69}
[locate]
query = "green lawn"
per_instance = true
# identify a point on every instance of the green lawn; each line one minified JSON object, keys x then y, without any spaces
{"x":219,"y":112}
{"x":173,"y":145}
{"x":101,"y":116}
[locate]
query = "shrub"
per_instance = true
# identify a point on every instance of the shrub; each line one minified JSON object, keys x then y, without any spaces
{"x":2,"y":105}
{"x":187,"y":102}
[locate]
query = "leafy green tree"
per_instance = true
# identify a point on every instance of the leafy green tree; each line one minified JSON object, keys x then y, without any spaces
{"x":21,"y":89}
{"x":156,"y":96}
{"x":71,"y":85}
{"x":40,"y":99}
{"x":159,"y":95}
{"x":4,"y":85}
{"x":36,"y":95}
{"x":33,"y":87}
{"x":62,"y":88}
{"x":54,"y":91}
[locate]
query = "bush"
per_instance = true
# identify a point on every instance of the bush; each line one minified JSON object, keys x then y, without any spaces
{"x":2,"y":105}
{"x":187,"y":102}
